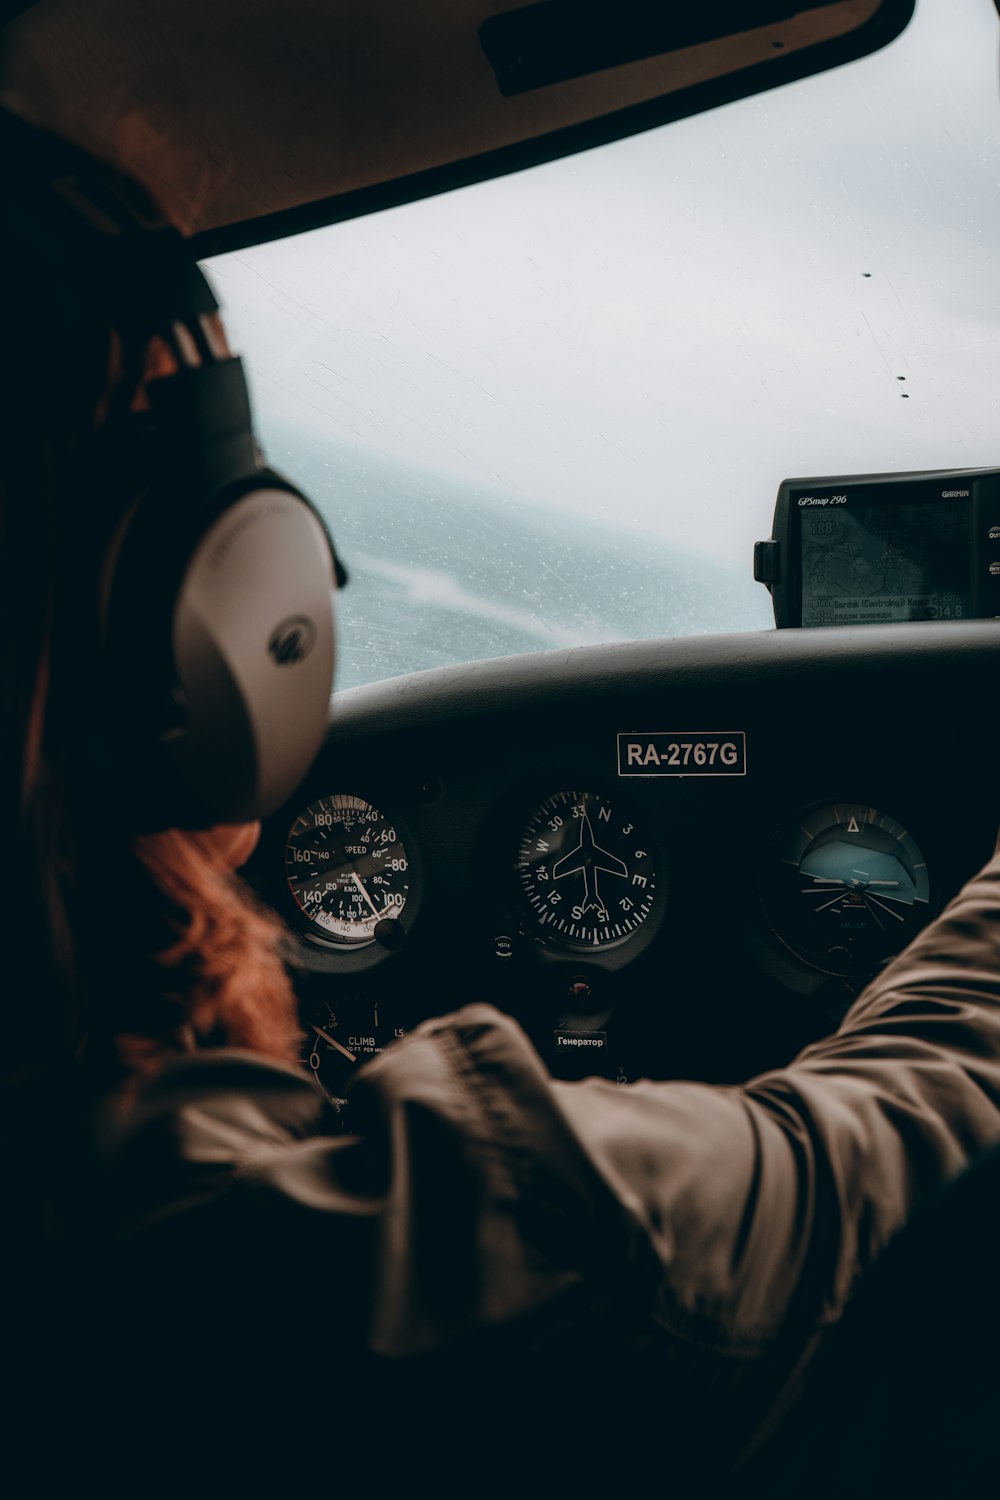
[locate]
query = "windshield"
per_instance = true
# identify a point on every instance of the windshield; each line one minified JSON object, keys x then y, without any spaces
{"x":554,"y":409}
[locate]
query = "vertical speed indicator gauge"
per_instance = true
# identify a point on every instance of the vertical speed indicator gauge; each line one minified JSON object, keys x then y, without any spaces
{"x":585,"y":870}
{"x":347,"y":871}
{"x":343,"y":1035}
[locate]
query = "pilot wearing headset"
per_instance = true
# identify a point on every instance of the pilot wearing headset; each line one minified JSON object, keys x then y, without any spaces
{"x":496,"y":1279}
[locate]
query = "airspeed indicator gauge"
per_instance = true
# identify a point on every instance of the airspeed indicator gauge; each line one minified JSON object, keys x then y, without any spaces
{"x":347,"y":871}
{"x":585,"y":870}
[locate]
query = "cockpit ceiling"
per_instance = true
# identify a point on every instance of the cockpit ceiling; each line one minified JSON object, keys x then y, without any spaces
{"x":243,"y":110}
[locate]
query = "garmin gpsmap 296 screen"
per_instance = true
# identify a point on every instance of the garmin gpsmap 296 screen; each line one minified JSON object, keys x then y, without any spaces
{"x":865,"y":562}
{"x":877,"y":549}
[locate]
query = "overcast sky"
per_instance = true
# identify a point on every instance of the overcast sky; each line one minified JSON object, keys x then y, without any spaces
{"x":699,"y":311}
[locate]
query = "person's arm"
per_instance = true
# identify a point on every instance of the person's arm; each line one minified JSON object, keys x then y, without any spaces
{"x":765,"y":1202}
{"x":720,"y":1229}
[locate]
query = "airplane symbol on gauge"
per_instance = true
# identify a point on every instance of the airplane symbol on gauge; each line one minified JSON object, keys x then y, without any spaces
{"x":588,"y":859}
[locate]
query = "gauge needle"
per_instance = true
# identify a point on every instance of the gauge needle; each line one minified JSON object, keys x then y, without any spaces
{"x":882,"y":906}
{"x":334,"y":1043}
{"x":364,"y":893}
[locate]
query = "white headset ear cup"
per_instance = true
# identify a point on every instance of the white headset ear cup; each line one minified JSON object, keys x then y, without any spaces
{"x":253,"y":646}
{"x":206,"y":647}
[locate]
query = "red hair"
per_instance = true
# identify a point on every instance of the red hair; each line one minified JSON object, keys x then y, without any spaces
{"x":224,"y":972}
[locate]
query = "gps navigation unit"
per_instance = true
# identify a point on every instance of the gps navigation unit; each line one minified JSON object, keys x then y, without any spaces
{"x":868,"y":549}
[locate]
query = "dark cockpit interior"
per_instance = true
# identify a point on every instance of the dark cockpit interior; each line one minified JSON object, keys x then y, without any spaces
{"x":681,"y":857}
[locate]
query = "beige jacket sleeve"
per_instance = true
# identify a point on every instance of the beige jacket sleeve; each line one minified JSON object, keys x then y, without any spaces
{"x":767,"y":1201}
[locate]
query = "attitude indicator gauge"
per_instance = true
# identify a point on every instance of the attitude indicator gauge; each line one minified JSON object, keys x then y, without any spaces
{"x":847,"y":888}
{"x":585,"y":870}
{"x":347,"y":871}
